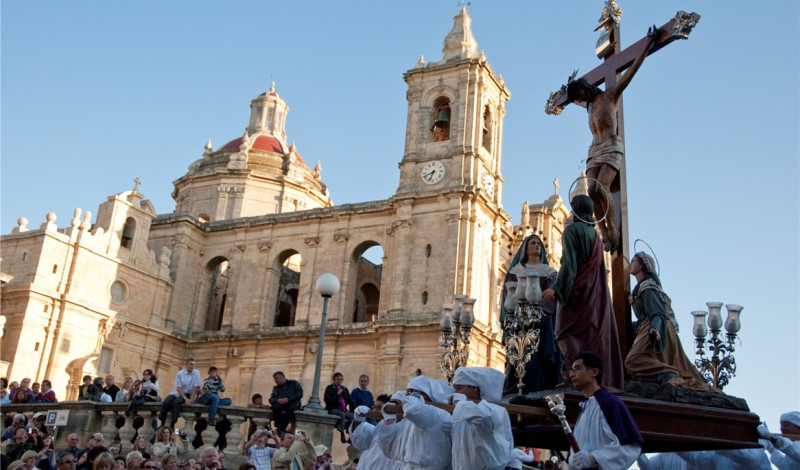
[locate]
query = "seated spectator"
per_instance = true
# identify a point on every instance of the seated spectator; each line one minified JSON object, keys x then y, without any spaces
{"x":169,"y":462}
{"x":186,"y":392}
{"x":24,"y":385}
{"x":115,"y":449}
{"x":295,"y":448}
{"x":256,"y":402}
{"x":46,"y":459}
{"x":285,"y":400}
{"x":104,"y":397}
{"x":339,"y":403}
{"x":4,"y":400}
{"x":29,"y":460}
{"x":87,"y":380}
{"x":111,"y":389}
{"x":165,"y":443}
{"x":18,"y":421}
{"x":134,"y":461}
{"x":260,"y":455}
{"x":35,"y":388}
{"x":83,"y":460}
{"x":221,"y":456}
{"x":66,"y":461}
{"x":150,"y":465}
{"x":20,"y":396}
{"x":91,"y":393}
{"x":38,"y":422}
{"x":119,"y":463}
{"x":47,"y":395}
{"x":212,"y":386}
{"x":210,"y":459}
{"x":72,"y":448}
{"x":140,"y":445}
{"x":362,"y":396}
{"x":124,"y":393}
{"x":103,"y":461}
{"x":19,"y":444}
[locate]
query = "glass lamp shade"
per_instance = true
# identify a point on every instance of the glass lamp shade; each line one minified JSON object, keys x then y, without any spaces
{"x":327,"y":285}
{"x":446,"y":324}
{"x":467,"y":317}
{"x":714,"y":316}
{"x":521,"y":288}
{"x":533,"y":293}
{"x":732,"y":323}
{"x":510,"y":302}
{"x":700,"y":330}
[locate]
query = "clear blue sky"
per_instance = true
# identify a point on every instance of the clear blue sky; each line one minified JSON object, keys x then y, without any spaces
{"x":95,"y":93}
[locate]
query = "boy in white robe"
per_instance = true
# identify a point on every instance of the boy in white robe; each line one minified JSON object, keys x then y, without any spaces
{"x":481,"y":432}
{"x":418,"y":441}
{"x":605,"y":431}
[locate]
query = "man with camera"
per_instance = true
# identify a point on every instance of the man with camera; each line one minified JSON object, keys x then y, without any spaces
{"x":260,"y":454}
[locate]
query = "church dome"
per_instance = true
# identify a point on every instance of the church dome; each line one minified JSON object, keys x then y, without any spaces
{"x":266,"y":143}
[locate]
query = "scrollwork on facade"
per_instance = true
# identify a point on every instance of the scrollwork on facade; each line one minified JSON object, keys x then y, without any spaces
{"x":312,"y":241}
{"x":341,"y":237}
{"x":264,"y":245}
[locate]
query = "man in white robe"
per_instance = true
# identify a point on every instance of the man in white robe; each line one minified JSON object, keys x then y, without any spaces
{"x":418,"y":441}
{"x":784,"y":453}
{"x":605,"y":431}
{"x":481,"y":432}
{"x":364,"y":437}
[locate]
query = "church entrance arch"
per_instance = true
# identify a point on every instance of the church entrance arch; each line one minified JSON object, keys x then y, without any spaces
{"x":367,"y":270}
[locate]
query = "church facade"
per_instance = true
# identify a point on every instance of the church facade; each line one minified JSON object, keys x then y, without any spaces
{"x":228,"y":277}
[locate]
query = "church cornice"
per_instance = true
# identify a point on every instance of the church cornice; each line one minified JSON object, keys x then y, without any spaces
{"x":286,"y":217}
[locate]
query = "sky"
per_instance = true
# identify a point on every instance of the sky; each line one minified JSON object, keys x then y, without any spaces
{"x":96,"y":93}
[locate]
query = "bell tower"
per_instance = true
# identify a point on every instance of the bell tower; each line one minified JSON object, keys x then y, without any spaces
{"x":449,"y":230}
{"x":455,"y":117}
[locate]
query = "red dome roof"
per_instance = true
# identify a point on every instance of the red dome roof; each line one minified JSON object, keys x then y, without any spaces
{"x":263,"y":142}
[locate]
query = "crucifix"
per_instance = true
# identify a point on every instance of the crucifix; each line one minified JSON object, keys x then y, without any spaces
{"x":606,"y":162}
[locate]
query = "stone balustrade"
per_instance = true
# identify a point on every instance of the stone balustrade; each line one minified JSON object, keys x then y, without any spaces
{"x":88,"y":417}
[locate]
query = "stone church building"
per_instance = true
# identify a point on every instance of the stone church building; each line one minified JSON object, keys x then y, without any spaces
{"x":229,"y":276}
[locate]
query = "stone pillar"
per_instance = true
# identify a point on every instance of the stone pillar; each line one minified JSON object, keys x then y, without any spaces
{"x":234,"y":436}
{"x":318,"y":426}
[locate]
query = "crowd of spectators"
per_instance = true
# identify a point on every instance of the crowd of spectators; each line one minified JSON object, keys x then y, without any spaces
{"x":30,"y":444}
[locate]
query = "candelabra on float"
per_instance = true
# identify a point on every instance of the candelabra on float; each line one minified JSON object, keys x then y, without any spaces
{"x":456,"y":325}
{"x":720,"y":367}
{"x":521,"y":327}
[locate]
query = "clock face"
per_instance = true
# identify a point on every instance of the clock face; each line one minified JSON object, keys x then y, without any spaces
{"x":432,"y":172}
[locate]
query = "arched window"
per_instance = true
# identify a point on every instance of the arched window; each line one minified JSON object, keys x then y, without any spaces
{"x":288,"y":288}
{"x":440,"y":120}
{"x":218,"y":271}
{"x":368,"y":264}
{"x":128,"y":231}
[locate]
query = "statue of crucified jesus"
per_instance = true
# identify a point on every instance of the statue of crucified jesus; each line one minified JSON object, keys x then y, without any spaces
{"x":607,"y":149}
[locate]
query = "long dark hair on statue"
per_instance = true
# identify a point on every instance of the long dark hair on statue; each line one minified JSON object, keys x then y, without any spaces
{"x":575,"y":86}
{"x":582,"y":209}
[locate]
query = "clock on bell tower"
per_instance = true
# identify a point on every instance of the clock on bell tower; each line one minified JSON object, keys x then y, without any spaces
{"x":455,"y":121}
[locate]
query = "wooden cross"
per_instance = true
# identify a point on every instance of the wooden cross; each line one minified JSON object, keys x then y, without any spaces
{"x":614,"y":63}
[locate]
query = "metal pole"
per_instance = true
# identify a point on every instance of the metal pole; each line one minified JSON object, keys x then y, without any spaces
{"x":313,"y":404}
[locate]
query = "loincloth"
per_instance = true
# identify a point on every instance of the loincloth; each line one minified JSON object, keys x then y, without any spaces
{"x":608,"y":152}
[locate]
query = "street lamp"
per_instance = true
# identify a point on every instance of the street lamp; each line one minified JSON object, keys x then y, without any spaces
{"x":327,"y":286}
{"x":522,"y":323}
{"x":457,"y":320}
{"x":718,"y":369}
